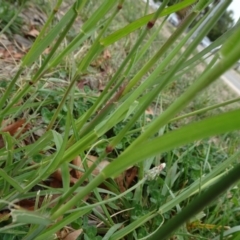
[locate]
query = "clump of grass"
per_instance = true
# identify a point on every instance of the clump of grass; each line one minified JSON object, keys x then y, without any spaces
{"x":61,"y":122}
{"x":7,"y":13}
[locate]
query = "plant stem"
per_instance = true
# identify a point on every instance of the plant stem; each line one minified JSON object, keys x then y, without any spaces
{"x":198,"y":204}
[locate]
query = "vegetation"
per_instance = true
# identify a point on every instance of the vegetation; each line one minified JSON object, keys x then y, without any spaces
{"x":223,"y":24}
{"x":9,"y":14}
{"x":109,"y":132}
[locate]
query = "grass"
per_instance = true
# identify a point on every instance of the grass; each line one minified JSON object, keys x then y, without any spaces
{"x":7,"y":14}
{"x":125,"y":112}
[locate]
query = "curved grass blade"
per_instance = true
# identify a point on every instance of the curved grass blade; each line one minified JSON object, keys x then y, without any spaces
{"x":209,"y":127}
{"x":212,"y":126}
{"x":198,"y":204}
{"x":141,"y":22}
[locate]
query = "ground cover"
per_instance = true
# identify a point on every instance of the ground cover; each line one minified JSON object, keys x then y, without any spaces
{"x":52,"y":134}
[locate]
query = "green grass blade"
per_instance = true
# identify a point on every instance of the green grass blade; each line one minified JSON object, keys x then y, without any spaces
{"x":132,"y":226}
{"x":64,"y":222}
{"x":27,"y":217}
{"x":39,"y":46}
{"x":203,"y":110}
{"x":11,"y":181}
{"x":198,"y":204}
{"x":204,"y":81}
{"x":88,"y":27}
{"x":114,"y":37}
{"x":112,"y":230}
{"x":209,"y":127}
{"x":206,"y":128}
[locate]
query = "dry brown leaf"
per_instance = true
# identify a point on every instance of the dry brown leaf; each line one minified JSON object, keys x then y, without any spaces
{"x":92,"y":158}
{"x":4,"y":54}
{"x":4,"y":216}
{"x":100,"y":166}
{"x":57,"y":176}
{"x":125,"y":180}
{"x":27,"y":204}
{"x":90,"y":161}
{"x":2,"y":144}
{"x":33,"y":33}
{"x":106,"y":54}
{"x":77,"y":162}
{"x":75,"y":174}
{"x":63,"y":233}
{"x":120,"y":182}
{"x":130,"y":176}
{"x":73,"y":235}
{"x":149,"y":112}
{"x":10,"y":54}
{"x":47,"y":50}
{"x":54,"y":183}
{"x":80,"y":85}
{"x":18,"y":56}
{"x":14,"y":127}
{"x":73,"y":180}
